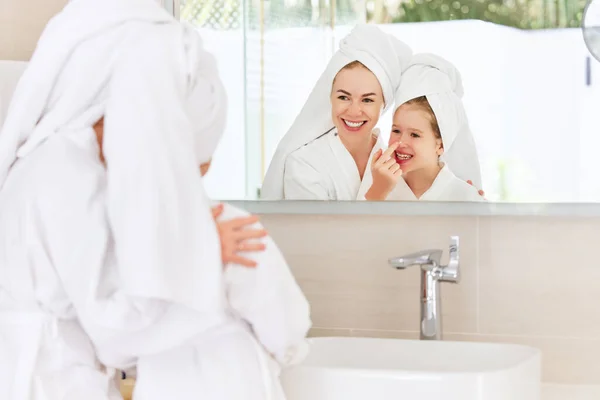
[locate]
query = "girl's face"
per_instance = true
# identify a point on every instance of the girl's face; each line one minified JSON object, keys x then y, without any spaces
{"x":419,"y":147}
{"x":356,"y":102}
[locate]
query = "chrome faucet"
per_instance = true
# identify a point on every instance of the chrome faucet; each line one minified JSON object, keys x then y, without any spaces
{"x":432,"y":273}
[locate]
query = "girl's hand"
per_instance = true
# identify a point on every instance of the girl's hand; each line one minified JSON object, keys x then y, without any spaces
{"x":386,"y":173}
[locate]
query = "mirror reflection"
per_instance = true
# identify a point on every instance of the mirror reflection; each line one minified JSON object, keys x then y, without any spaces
{"x":334,"y":152}
{"x":429,"y":100}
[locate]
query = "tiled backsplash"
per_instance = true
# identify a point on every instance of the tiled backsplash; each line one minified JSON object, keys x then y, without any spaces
{"x":525,"y":280}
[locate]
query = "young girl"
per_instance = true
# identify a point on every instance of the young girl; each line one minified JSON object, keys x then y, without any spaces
{"x":427,"y":122}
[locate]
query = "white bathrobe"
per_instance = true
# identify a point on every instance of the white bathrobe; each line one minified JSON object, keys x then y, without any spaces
{"x":124,"y":262}
{"x":122,"y":265}
{"x":387,"y":57}
{"x":77,"y":303}
{"x":325,"y":170}
{"x":52,"y":233}
{"x":445,"y":187}
{"x":268,"y":320}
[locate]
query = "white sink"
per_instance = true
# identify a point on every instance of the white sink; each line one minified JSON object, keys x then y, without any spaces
{"x":393,"y":369}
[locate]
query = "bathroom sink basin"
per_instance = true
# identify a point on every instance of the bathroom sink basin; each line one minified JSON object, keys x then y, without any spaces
{"x":393,"y":369}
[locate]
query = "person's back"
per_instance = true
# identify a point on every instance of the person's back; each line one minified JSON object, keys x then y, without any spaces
{"x":62,"y":308}
{"x":129,"y":262}
{"x":60,"y":296}
{"x":48,"y":355}
{"x":269,"y":318}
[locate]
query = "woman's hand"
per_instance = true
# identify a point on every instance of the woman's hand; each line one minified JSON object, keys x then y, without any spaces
{"x":386,"y":173}
{"x":234,"y":238}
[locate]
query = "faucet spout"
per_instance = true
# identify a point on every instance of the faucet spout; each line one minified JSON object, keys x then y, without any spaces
{"x":425,"y":257}
{"x":432,"y":274}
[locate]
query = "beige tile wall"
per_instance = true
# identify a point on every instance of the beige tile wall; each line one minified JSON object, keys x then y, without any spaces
{"x":525,"y":280}
{"x":21,"y":24}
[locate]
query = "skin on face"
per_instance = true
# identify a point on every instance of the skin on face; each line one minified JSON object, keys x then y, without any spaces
{"x":356,"y":99}
{"x":419,"y":148}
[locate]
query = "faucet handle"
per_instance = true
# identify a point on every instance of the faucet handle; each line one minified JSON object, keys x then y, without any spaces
{"x":425,"y":257}
{"x":451,"y":272}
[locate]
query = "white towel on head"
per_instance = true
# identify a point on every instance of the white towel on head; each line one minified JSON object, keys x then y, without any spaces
{"x":158,"y":89}
{"x":207,"y":100}
{"x":434,"y":77}
{"x":61,"y":36}
{"x":386,"y":56}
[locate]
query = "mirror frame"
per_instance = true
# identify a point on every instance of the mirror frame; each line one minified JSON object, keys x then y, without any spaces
{"x":418,"y":208}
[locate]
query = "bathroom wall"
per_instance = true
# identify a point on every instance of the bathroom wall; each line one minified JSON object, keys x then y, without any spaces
{"x":525,"y":280}
{"x":21,"y":24}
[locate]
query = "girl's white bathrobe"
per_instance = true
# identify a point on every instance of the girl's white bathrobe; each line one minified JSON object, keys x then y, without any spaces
{"x":445,"y":187}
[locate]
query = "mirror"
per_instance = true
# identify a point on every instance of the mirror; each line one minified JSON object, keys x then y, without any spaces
{"x":531,"y":85}
{"x":591,"y":27}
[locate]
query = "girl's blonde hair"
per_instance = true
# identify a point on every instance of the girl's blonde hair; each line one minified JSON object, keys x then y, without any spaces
{"x":422,"y":103}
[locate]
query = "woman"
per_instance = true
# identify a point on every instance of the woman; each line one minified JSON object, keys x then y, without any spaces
{"x":121,"y":260}
{"x":327,"y":150}
{"x":429,"y":125}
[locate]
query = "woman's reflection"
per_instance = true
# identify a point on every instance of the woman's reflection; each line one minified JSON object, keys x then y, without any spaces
{"x":356,"y":104}
{"x":327,"y":150}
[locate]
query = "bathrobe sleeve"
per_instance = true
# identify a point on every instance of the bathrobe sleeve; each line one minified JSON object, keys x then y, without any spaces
{"x":269,"y":300}
{"x":302,"y":181}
